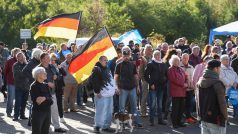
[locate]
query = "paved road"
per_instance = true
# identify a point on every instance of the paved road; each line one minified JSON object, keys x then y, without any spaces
{"x":82,"y":122}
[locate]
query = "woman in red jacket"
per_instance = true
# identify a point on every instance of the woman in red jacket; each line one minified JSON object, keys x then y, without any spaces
{"x":177,"y":84}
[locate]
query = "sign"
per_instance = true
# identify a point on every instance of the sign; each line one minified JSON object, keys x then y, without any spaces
{"x":25,"y":33}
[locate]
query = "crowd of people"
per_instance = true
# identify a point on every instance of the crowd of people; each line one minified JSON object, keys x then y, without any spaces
{"x":181,"y":80}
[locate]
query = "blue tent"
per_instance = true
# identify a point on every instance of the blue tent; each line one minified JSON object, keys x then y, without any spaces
{"x":228,"y":29}
{"x":130,"y":35}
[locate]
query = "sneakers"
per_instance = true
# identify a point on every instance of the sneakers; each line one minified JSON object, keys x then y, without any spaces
{"x":60,"y":130}
{"x":190,"y":120}
{"x":109,"y":130}
{"x":97,"y":130}
{"x":62,"y":120}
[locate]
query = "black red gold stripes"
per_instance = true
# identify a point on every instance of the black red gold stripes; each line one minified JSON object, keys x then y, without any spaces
{"x":60,"y":26}
{"x":100,"y":44}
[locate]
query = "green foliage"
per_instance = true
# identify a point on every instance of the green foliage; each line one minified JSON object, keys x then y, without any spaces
{"x":168,"y":18}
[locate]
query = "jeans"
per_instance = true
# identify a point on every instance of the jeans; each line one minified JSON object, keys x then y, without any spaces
{"x":103,"y":111}
{"x":155,"y":96}
{"x":116,"y":103}
{"x":10,"y":98}
{"x":80,"y":95}
{"x":133,"y":100}
{"x":21,"y":97}
{"x":209,"y":128}
{"x":235,"y":107}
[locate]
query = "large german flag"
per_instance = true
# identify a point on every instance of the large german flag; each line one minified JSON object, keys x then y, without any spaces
{"x":60,"y":26}
{"x":100,"y":44}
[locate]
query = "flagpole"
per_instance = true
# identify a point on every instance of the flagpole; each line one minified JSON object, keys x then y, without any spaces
{"x":80,"y":14}
{"x":109,"y":36}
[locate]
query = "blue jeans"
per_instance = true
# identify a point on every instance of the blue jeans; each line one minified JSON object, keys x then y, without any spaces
{"x":209,"y":128}
{"x":155,"y":96}
{"x":133,"y":102}
{"x":21,"y":97}
{"x":103,"y":113}
{"x":10,"y":98}
{"x":235,"y":107}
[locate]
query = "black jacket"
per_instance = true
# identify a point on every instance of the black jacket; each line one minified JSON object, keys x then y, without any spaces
{"x":156,"y":73}
{"x":27,"y":70}
{"x":40,"y":90}
{"x":99,"y":78}
{"x":234,"y":64}
{"x":59,"y":82}
{"x":211,"y":99}
{"x":20,"y":81}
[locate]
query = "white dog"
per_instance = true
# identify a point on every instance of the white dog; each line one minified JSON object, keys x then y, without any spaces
{"x":121,"y":119}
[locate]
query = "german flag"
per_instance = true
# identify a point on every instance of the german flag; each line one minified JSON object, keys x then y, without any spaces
{"x":99,"y":45}
{"x":60,"y":26}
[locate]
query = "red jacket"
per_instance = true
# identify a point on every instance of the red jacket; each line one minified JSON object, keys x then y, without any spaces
{"x":8,"y":71}
{"x":177,"y":78}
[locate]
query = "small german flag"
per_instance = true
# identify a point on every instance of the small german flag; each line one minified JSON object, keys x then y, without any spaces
{"x":61,"y":26}
{"x":99,"y":45}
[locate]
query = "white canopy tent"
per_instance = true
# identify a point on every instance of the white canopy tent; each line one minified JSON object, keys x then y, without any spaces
{"x":228,"y":29}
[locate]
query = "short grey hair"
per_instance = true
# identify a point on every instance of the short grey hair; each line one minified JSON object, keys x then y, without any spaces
{"x":223,"y":57}
{"x":148,"y":46}
{"x":36,"y":71}
{"x":36,"y":53}
{"x":184,"y":54}
{"x":156,"y":52}
{"x":173,"y":58}
{"x":164,"y":44}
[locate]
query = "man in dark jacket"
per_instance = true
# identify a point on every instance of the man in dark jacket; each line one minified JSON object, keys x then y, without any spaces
{"x":126,"y":79}
{"x":156,"y":76}
{"x":10,"y":80}
{"x":211,"y":98}
{"x":234,"y":62}
{"x":104,"y":89}
{"x":35,"y":61}
{"x":51,"y":78}
{"x":27,"y":70}
{"x":21,"y":87}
